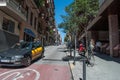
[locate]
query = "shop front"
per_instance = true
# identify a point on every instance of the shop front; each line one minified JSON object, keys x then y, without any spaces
{"x":29,"y":35}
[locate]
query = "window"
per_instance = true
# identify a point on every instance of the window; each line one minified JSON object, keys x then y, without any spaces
{"x":35,"y":23}
{"x":39,"y":28}
{"x":27,"y":13}
{"x":11,"y":26}
{"x":31,"y":17}
{"x":8,"y":25}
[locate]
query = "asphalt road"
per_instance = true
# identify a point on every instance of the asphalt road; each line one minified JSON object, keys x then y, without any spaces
{"x":51,"y":67}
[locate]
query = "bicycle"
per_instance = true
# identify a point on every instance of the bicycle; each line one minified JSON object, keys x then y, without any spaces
{"x":90,"y":59}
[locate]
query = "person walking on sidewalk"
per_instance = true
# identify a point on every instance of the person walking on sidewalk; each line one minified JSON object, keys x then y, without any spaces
{"x":98,"y":46}
{"x":92,"y":45}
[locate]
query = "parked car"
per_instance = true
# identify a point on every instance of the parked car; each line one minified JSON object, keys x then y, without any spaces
{"x":21,"y":54}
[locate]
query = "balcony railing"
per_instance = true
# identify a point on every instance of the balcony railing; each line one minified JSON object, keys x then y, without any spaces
{"x":17,"y":7}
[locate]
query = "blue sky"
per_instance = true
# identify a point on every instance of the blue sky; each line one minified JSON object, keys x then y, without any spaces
{"x":60,"y":10}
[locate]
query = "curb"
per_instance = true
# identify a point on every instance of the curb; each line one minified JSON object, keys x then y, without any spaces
{"x":70,"y":68}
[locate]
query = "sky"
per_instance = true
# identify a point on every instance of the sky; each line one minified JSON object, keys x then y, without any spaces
{"x":60,"y":10}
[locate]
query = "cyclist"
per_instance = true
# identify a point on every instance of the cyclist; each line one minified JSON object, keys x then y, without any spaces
{"x":81,"y":49}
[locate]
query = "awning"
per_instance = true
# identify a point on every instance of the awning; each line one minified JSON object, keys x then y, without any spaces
{"x":93,"y":22}
{"x":100,"y":23}
{"x":29,"y":32}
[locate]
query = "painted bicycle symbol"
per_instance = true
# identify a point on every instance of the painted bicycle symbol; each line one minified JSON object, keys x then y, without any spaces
{"x":20,"y":74}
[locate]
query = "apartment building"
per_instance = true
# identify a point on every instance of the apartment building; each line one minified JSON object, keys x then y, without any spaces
{"x":22,"y":20}
{"x":106,"y":26}
{"x":47,"y":22}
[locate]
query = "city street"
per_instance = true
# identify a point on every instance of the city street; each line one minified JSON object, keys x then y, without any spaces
{"x":51,"y":67}
{"x":46,"y":37}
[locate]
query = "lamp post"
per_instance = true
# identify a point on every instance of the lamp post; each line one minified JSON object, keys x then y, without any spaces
{"x":84,"y":59}
{"x":74,"y":47}
{"x":55,"y":36}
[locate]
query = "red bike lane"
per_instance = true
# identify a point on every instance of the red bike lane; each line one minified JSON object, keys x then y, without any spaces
{"x":37,"y":72}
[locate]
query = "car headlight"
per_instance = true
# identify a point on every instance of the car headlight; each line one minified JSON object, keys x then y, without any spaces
{"x":17,"y":57}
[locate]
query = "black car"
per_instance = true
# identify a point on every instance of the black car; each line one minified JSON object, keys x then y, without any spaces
{"x":21,"y":54}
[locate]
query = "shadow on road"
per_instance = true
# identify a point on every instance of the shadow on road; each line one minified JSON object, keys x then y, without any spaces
{"x":62,"y":49}
{"x":107,"y":58}
{"x":52,"y":60}
{"x":12,"y":67}
{"x":68,"y":58}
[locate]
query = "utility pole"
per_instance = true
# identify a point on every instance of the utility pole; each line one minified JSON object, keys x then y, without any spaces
{"x":75,"y":32}
{"x":74,"y":47}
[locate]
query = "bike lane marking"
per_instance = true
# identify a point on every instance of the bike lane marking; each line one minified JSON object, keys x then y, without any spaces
{"x":37,"y":72}
{"x":53,"y":72}
{"x":20,"y":74}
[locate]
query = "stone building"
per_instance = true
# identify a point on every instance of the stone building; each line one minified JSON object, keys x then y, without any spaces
{"x":106,"y":26}
{"x":24,"y":20}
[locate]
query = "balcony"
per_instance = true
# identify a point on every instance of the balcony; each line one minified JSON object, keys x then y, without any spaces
{"x":14,"y":9}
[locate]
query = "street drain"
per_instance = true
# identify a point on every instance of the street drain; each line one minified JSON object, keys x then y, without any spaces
{"x":56,"y":69}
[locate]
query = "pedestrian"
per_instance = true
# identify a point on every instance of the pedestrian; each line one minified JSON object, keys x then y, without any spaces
{"x":92,"y":45}
{"x":98,"y":46}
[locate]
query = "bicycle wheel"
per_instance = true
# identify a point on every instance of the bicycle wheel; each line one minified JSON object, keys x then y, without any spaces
{"x":91,"y":59}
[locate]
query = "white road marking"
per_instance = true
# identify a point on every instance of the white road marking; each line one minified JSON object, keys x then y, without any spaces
{"x":28,"y":74}
{"x":18,"y":74}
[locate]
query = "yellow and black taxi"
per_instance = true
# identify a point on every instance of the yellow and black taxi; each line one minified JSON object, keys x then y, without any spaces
{"x":21,"y":54}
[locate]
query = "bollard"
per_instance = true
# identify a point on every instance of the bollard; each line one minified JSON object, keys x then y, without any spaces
{"x":84,"y":68}
{"x":74,"y":56}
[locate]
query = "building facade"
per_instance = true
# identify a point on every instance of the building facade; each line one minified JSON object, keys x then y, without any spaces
{"x":105,"y":26}
{"x":24,"y":20}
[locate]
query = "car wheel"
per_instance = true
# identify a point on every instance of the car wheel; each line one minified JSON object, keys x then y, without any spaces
{"x":27,"y":61}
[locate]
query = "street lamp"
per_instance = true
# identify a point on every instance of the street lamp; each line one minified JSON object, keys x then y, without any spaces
{"x":55,"y":35}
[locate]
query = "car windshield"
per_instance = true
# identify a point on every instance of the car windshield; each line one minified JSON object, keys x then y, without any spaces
{"x":21,"y":45}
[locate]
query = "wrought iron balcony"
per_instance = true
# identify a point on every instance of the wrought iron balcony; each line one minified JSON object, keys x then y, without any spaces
{"x":14,"y":9}
{"x":17,"y":7}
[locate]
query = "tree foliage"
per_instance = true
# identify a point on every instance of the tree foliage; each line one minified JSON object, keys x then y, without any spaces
{"x":66,"y":38}
{"x":79,"y":14}
{"x":39,"y":3}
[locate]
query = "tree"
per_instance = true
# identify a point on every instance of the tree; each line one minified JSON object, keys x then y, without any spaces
{"x":66,"y":39}
{"x":68,"y":23}
{"x":79,"y":14}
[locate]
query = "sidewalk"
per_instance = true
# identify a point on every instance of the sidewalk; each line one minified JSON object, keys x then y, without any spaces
{"x":105,"y":68}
